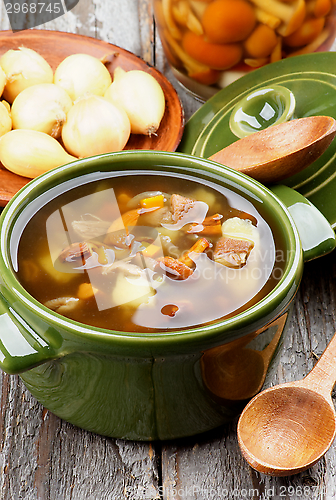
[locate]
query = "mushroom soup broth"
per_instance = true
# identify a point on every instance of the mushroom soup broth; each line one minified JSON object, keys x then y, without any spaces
{"x":144,"y":253}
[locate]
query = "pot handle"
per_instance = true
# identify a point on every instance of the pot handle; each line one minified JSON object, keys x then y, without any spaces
{"x":316,"y":234}
{"x":21,"y":348}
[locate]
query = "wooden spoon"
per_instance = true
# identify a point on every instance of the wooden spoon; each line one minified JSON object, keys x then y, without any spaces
{"x":287,"y":428}
{"x":279,"y":151}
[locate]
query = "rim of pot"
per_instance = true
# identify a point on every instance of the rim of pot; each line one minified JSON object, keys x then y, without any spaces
{"x":178,"y":163}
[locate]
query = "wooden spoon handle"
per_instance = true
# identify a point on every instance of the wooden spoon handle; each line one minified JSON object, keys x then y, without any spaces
{"x":322,"y":377}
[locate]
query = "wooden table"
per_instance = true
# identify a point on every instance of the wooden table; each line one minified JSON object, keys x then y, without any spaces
{"x":45,"y":458}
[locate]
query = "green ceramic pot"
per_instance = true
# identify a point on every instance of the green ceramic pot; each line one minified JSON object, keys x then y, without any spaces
{"x":159,"y":385}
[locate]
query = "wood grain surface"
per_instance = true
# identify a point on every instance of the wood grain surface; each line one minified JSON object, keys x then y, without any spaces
{"x":44,"y":458}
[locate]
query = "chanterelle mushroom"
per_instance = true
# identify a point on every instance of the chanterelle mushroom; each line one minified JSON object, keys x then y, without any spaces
{"x":90,"y":227}
{"x":175,"y":268}
{"x":76,"y":251}
{"x":291,"y":14}
{"x":62,"y":305}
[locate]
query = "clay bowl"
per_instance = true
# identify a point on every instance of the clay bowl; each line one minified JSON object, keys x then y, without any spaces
{"x":54,"y":46}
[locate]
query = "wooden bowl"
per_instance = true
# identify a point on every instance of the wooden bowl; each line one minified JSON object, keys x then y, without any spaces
{"x":54,"y":46}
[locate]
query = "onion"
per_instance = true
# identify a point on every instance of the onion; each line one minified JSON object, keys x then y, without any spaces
{"x":79,"y":74}
{"x":3,"y":80}
{"x":42,"y":107}
{"x":31,"y":153}
{"x":95,"y":126}
{"x":141,"y":96}
{"x":5,"y":118}
{"x":23,"y":67}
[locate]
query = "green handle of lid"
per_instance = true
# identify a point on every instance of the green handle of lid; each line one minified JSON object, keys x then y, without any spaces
{"x":316,"y":234}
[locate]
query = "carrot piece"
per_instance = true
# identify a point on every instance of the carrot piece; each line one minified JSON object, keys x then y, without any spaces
{"x":214,"y":230}
{"x":153,"y":202}
{"x":199,"y":247}
{"x":211,"y":226}
{"x":129,"y":218}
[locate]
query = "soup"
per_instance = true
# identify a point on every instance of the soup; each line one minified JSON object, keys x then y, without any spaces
{"x":143,"y":252}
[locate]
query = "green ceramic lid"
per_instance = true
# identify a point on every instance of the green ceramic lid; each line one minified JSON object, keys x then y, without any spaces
{"x":312,"y":80}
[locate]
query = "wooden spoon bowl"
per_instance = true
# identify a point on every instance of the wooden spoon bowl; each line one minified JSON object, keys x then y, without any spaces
{"x":279,"y":151}
{"x":286,"y":429}
{"x":302,"y":429}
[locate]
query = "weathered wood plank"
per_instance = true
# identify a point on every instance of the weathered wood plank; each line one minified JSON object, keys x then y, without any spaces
{"x":43,"y":457}
{"x":147,"y":32}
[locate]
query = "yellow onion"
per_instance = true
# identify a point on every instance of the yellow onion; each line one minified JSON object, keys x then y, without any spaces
{"x":5,"y":118}
{"x":141,"y":96}
{"x":94,"y":126}
{"x":42,"y":107}
{"x":23,"y":67}
{"x":3,"y":80}
{"x":79,"y":74}
{"x":31,"y":153}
